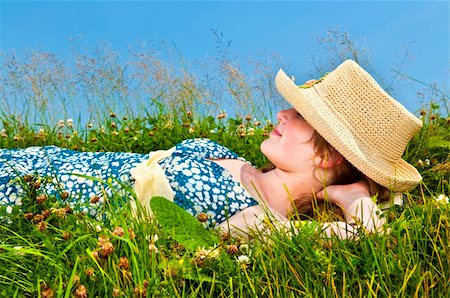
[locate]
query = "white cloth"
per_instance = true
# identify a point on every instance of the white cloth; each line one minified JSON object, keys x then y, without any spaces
{"x":150,"y":180}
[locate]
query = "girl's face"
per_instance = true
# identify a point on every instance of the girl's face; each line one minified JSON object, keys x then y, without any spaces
{"x":289,"y":145}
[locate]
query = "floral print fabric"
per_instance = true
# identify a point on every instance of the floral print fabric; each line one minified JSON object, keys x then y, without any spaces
{"x":82,"y":174}
{"x":199,"y":185}
{"x":202,"y":186}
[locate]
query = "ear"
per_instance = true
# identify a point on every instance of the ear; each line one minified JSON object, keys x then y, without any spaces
{"x":331,"y":159}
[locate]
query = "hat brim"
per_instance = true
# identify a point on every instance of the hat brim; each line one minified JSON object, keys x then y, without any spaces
{"x":395,"y":175}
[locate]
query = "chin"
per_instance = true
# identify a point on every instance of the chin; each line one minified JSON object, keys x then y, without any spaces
{"x":263,"y":146}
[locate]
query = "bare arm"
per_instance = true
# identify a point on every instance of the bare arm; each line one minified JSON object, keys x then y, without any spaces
{"x":354,"y":199}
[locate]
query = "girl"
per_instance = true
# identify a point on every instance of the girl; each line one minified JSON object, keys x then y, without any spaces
{"x":342,"y":141}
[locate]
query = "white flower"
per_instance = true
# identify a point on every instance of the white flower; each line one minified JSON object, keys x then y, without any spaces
{"x":213,"y":254}
{"x":69,"y":122}
{"x":98,"y":228}
{"x":243,"y":260}
{"x":9,"y":209}
{"x":191,"y":130}
{"x":60,"y":123}
{"x":427,"y":162}
{"x":442,"y":199}
{"x":152,"y":238}
{"x":153,"y":248}
{"x":244,"y":248}
{"x":19,"y":248}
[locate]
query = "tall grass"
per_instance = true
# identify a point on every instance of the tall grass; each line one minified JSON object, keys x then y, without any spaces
{"x":41,"y":87}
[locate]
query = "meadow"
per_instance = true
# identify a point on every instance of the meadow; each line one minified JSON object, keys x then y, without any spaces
{"x":49,"y":249}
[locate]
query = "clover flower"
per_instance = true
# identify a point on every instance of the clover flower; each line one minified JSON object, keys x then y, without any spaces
{"x":69,"y":122}
{"x":244,"y":248}
{"x":61,"y":123}
{"x":41,"y":226}
{"x":48,"y":293}
{"x":119,"y":231}
{"x":243,"y":261}
{"x":106,"y":249}
{"x":222,"y":115}
{"x":232,"y":249}
{"x":123,"y":263}
{"x":81,"y":292}
{"x":443,"y":199}
{"x":132,"y":234}
{"x":116,"y":292}
{"x":153,"y":248}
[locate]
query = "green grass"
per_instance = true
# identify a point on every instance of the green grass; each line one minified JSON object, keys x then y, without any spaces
{"x":124,"y":257}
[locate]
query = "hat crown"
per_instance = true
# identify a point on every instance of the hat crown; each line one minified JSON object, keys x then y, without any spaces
{"x":376,"y":120}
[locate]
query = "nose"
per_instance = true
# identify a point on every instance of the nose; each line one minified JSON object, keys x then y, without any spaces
{"x":283,"y":115}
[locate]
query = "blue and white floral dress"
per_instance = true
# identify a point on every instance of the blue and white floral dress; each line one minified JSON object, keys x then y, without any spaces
{"x":199,"y":185}
{"x":202,"y":186}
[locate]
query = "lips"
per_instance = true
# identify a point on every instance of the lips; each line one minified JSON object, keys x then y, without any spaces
{"x":276,"y":132}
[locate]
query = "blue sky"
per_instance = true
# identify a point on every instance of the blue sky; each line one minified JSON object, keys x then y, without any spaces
{"x":386,"y":27}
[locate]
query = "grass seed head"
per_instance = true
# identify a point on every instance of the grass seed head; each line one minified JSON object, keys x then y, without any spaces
{"x":106,"y":249}
{"x":123,"y":263}
{"x":202,"y":217}
{"x":132,"y":234}
{"x":81,"y":292}
{"x":40,"y":199}
{"x":48,"y":293}
{"x":37,"y":184}
{"x":119,"y":231}
{"x":41,"y":226}
{"x":140,"y":292}
{"x":66,"y":235}
{"x":102,"y":240}
{"x":46,"y":213}
{"x":116,"y":292}
{"x":38,"y":218}
{"x":95,"y":255}
{"x":232,"y":249}
{"x":94,"y":199}
{"x":64,"y":195}
{"x":28,"y":177}
{"x":89,"y":271}
{"x":28,"y":215}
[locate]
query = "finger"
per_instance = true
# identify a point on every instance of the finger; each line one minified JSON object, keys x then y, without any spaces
{"x":321,"y":194}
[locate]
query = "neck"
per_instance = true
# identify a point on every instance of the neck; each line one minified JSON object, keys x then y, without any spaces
{"x":279,"y":188}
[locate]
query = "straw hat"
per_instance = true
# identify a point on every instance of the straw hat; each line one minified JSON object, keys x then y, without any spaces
{"x":360,"y":120}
